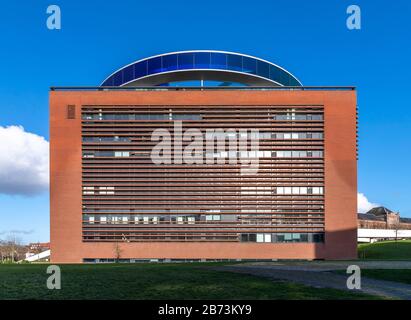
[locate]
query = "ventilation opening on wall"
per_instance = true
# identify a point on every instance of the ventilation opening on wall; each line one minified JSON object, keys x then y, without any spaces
{"x":71,"y":111}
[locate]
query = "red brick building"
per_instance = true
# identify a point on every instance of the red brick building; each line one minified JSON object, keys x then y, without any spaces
{"x":383,"y":218}
{"x":110,"y":201}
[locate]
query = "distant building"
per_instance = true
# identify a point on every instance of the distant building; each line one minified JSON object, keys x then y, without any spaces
{"x":37,"y":247}
{"x":383,"y":218}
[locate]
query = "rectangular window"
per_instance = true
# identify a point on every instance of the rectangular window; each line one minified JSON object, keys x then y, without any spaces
{"x":88,"y":154}
{"x":252,"y":237}
{"x":180,"y":116}
{"x":191,"y":220}
{"x":121,"y":153}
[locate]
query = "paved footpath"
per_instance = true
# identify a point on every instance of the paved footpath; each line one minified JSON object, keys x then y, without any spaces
{"x":318,"y":274}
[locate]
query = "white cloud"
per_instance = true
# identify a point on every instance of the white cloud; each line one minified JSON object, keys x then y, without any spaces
{"x":363,"y":204}
{"x":24,"y":162}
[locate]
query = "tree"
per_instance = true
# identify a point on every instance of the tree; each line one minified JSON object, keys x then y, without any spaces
{"x":117,"y":252}
{"x":396,"y":226}
{"x":13,"y":244}
{"x":11,"y":249}
{"x":2,"y":250}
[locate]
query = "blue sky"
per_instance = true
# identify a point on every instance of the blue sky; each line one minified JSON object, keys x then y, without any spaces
{"x":308,"y":38}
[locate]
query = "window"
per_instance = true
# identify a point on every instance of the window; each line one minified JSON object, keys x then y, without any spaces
{"x":186,"y":61}
{"x":298,"y":154}
{"x":218,"y":60}
{"x":213,"y":217}
{"x":298,"y":135}
{"x":263,"y":69}
{"x":88,"y":190}
{"x":234,"y":62}
{"x":91,"y":154}
{"x":106,"y":139}
{"x":181,"y":116}
{"x":298,"y":116}
{"x":318,"y":237}
{"x":298,"y":190}
{"x":88,"y":154}
{"x":282,"y":237}
{"x":252,"y":237}
{"x":263,"y":237}
{"x":169,"y":62}
{"x":121,"y":153}
{"x":202,"y":59}
{"x":249,"y":65}
{"x":154,"y":65}
{"x":191,"y":220}
{"x":106,"y":190}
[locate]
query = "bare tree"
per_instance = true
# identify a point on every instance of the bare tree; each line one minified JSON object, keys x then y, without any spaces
{"x":396,"y":226}
{"x":117,"y":252}
{"x":11,"y":248}
{"x":14,"y":243}
{"x":2,"y":250}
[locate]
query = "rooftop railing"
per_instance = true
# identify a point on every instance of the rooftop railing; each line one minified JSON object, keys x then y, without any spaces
{"x":268,"y":88}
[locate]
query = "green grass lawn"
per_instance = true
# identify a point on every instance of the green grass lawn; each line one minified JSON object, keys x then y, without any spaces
{"x":396,"y":275}
{"x":152,"y":281}
{"x":386,"y":250}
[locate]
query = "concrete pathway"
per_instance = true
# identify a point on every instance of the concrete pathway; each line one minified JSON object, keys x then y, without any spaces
{"x":319,"y":275}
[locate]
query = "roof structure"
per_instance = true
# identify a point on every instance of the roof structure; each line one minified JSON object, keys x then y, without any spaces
{"x":224,"y":67}
{"x":380,"y":211}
